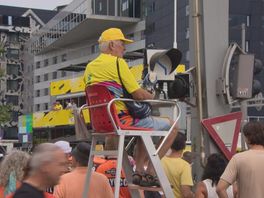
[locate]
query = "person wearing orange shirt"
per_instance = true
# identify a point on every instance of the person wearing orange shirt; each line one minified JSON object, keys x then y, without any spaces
{"x":72,"y":184}
{"x":108,"y":168}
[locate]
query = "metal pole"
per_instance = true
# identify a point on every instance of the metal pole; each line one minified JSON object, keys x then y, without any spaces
{"x":175,"y":25}
{"x":243,"y":36}
{"x":116,"y":7}
{"x":198,"y":46}
{"x":244,"y":102}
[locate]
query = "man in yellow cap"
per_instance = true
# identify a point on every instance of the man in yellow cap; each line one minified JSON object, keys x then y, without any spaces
{"x":103,"y":70}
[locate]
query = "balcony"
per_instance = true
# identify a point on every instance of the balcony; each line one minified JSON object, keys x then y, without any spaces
{"x":83,"y":20}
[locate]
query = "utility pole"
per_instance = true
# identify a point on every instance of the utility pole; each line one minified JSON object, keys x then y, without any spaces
{"x":208,"y":45}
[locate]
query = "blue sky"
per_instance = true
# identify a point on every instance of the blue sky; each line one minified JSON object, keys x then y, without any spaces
{"x":40,"y":4}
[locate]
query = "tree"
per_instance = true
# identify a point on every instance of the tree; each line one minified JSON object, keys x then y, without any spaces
{"x":5,"y":110}
{"x":5,"y":113}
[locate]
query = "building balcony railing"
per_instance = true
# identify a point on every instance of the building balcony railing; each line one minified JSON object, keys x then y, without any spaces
{"x":76,"y":13}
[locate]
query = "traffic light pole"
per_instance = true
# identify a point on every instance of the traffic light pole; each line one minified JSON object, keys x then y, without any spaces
{"x":208,"y":45}
{"x":244,"y":108}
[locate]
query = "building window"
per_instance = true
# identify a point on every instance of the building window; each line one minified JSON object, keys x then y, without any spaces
{"x":100,"y":6}
{"x":37,"y":107}
{"x":187,"y":33}
{"x":95,"y":48}
{"x":37,"y":64}
{"x":187,"y":10}
{"x":10,"y":133}
{"x":21,"y":21}
{"x":130,"y":36}
{"x":46,"y":91}
{"x":12,"y":53}
{"x":125,"y":5}
{"x":46,"y":106}
{"x":55,"y":60}
{"x":12,"y":85}
{"x":46,"y":62}
{"x":54,"y":75}
{"x":236,"y":20}
{"x":63,"y":73}
{"x":14,"y":116}
{"x":37,"y":79}
{"x":46,"y":77}
{"x":152,"y":7}
{"x":63,"y":57}
{"x":13,"y":37}
{"x":12,"y":69}
{"x":12,"y":100}
{"x":37,"y":93}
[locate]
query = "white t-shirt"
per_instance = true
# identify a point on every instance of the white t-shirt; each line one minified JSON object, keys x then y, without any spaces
{"x":211,"y":190}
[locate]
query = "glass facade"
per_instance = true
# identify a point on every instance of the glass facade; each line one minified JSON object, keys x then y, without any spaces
{"x":76,"y":12}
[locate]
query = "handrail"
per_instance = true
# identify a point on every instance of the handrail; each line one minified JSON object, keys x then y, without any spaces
{"x":164,"y":102}
{"x":168,"y":102}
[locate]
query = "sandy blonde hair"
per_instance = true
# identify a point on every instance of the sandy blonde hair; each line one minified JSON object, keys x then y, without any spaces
{"x":16,"y":161}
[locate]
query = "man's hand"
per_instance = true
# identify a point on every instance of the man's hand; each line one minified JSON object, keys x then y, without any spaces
{"x":142,"y":94}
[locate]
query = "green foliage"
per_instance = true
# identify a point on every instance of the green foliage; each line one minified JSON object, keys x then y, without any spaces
{"x":5,"y":113}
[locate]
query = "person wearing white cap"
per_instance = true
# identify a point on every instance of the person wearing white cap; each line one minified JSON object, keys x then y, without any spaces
{"x":65,"y":146}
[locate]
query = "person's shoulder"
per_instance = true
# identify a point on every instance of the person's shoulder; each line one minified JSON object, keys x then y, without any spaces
{"x":106,"y":57}
{"x":122,"y":61}
{"x":99,"y":176}
{"x":107,"y":165}
{"x":67,"y":176}
{"x":242,"y":154}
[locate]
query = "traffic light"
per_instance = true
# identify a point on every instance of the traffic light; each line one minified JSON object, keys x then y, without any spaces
{"x":256,"y":86}
{"x":245,"y":85}
{"x":179,"y":88}
{"x":238,"y":79}
{"x":164,"y":63}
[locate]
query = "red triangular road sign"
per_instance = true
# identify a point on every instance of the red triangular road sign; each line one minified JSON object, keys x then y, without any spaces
{"x":224,"y":129}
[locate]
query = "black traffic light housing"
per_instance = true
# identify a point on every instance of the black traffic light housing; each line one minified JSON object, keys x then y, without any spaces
{"x":180,"y":87}
{"x":256,"y":85}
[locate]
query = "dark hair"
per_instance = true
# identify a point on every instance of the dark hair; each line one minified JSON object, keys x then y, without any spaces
{"x":81,"y":153}
{"x":214,"y":168}
{"x":179,"y":142}
{"x":254,"y":132}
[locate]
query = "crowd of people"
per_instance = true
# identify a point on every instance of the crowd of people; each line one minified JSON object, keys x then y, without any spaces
{"x":58,"y":167}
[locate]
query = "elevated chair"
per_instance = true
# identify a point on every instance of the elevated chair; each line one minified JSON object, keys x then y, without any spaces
{"x":105,"y":121}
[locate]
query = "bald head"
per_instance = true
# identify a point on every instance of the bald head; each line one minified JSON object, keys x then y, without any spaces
{"x":43,"y":153}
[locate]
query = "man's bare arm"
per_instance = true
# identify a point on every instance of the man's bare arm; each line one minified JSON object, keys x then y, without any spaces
{"x":186,"y":191}
{"x":221,"y":188}
{"x":142,"y":94}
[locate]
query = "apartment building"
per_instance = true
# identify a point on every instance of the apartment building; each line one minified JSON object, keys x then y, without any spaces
{"x":16,"y":25}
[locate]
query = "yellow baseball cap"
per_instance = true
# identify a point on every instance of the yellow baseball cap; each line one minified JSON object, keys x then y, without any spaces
{"x":112,"y":34}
